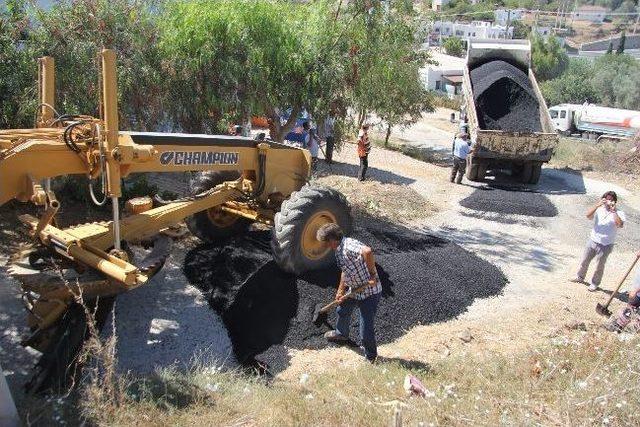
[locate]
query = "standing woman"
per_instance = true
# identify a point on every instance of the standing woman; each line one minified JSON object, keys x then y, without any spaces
{"x":364,"y":146}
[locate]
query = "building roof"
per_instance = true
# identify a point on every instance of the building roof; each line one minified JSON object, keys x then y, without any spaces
{"x":453,"y":79}
{"x":446,"y":61}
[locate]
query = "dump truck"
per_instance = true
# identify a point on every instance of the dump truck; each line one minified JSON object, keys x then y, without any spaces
{"x":595,"y":122}
{"x":70,"y":276}
{"x":520,"y":150}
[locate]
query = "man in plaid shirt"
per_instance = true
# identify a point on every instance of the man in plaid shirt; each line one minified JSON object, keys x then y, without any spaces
{"x":358,"y":273}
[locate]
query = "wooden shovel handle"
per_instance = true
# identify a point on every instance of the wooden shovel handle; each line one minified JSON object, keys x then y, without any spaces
{"x":613,"y":294}
{"x":337,"y":302}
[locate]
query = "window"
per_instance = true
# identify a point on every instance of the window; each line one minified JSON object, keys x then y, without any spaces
{"x":437,"y":84}
{"x":563,"y":114}
{"x":474,"y":34}
{"x":553,"y":114}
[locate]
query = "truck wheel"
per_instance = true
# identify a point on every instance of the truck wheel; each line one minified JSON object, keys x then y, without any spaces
{"x":482,"y":171}
{"x":294,"y":244}
{"x":527,"y":172}
{"x":213,"y":225}
{"x":472,"y":171}
{"x":535,"y":173}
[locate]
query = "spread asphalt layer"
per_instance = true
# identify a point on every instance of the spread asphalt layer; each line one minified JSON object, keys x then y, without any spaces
{"x":505,"y":99}
{"x":425,"y":279}
{"x":510,"y":202}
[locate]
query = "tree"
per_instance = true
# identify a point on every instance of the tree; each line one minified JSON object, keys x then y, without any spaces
{"x":573,"y":86}
{"x":74,"y":32}
{"x":386,"y":61}
{"x":623,"y":38}
{"x":17,"y":67}
{"x":616,"y":81}
{"x":454,"y":46}
{"x":548,"y":58}
{"x":520,"y":30}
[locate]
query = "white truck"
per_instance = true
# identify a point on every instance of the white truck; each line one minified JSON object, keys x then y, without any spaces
{"x":595,"y":122}
{"x":523,"y":153}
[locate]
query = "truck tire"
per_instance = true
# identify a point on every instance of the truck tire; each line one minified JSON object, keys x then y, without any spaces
{"x":293,"y":243}
{"x":535,"y":173}
{"x":472,"y":171}
{"x":214,"y":225}
{"x":527,"y":172}
{"x":482,"y":171}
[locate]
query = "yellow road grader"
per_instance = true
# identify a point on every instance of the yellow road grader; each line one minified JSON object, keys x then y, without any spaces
{"x":239,"y":181}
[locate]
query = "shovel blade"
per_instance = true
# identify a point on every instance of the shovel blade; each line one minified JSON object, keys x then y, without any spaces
{"x":602,"y":310}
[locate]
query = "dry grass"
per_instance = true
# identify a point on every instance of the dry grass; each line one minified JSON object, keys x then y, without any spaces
{"x":611,"y":161}
{"x":395,"y":202}
{"x":578,"y":378}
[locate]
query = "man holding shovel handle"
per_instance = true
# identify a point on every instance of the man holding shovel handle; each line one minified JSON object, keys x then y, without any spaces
{"x":359,"y":287}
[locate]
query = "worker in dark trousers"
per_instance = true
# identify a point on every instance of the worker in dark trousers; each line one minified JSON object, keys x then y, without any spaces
{"x":329,"y":124}
{"x":461,"y":148}
{"x":364,"y":147}
{"x":358,"y":267}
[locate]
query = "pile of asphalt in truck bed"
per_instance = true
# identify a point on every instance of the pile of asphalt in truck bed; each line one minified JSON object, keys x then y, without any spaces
{"x":504,"y":98}
{"x":510,"y":202}
{"x":425,"y":279}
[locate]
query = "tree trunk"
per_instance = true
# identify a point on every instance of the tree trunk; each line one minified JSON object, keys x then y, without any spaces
{"x":282,"y":130}
{"x":386,"y":139}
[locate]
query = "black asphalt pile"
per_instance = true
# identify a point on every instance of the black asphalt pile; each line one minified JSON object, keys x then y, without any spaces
{"x":505,"y":99}
{"x":509,"y":202}
{"x":425,"y":279}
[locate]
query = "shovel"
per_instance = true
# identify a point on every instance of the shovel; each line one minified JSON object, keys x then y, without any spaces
{"x":604,"y":309}
{"x":320,"y":315}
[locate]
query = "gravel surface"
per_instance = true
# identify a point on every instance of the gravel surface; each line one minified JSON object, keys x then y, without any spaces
{"x":265,"y":308}
{"x":510,"y":202}
{"x":504,"y":98}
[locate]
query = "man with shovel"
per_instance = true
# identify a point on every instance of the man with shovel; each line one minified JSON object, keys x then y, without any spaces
{"x":359,"y":286}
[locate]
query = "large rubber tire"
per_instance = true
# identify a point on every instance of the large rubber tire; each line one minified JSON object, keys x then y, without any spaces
{"x":202,"y":224}
{"x":527,"y":172}
{"x":482,"y":171}
{"x":535,"y":173}
{"x":58,"y":368}
{"x":472,"y":171}
{"x":294,"y":245}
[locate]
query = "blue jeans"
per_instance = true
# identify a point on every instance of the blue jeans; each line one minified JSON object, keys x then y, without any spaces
{"x":367,"y":308}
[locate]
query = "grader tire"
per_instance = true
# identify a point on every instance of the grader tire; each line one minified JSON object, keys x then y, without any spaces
{"x":294,"y":244}
{"x":214,"y":225}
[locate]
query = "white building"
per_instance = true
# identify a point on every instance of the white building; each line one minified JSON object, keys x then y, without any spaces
{"x":437,"y":5}
{"x":590,"y":13}
{"x":466,"y":30}
{"x":504,"y":15}
{"x":445,"y":76}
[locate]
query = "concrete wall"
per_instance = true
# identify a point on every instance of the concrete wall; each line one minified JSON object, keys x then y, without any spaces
{"x":631,"y":42}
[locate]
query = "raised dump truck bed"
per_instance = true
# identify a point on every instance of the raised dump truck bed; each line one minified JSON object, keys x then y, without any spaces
{"x":523,"y":152}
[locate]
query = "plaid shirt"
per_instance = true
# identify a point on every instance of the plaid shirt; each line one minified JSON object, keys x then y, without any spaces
{"x":350,"y":260}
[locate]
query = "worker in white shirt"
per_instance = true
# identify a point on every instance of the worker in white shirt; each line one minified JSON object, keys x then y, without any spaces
{"x":461,"y":148}
{"x":311,"y":143}
{"x":606,"y":221}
